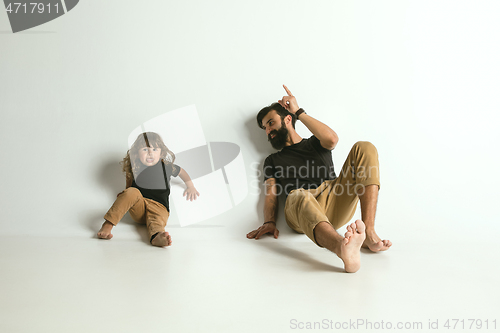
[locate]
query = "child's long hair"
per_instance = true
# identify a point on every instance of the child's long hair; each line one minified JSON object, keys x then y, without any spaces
{"x":131,"y":163}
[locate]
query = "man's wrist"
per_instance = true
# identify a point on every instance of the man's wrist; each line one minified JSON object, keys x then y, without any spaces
{"x":269,"y":222}
{"x":299,"y":112}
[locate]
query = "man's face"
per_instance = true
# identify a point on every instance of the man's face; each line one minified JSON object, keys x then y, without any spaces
{"x":276,"y":130}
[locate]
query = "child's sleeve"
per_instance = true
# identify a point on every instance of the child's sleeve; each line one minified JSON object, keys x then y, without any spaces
{"x":175,"y":170}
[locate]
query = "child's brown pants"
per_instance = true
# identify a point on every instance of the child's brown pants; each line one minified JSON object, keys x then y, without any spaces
{"x":142,"y":210}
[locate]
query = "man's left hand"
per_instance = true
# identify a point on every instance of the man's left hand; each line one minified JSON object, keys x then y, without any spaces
{"x":289,"y":102}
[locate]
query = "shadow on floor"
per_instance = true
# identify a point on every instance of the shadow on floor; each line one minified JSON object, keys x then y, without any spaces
{"x":307,"y":260}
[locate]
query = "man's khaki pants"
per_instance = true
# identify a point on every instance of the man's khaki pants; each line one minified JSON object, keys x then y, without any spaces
{"x":334,"y":201}
{"x":142,"y":210}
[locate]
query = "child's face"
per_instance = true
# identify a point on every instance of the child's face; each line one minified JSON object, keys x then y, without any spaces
{"x":149,"y":156}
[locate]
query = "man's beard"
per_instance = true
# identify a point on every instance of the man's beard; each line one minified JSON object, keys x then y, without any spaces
{"x":281,"y":137}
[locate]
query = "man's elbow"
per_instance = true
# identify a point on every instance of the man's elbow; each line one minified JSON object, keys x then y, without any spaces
{"x":331,"y":142}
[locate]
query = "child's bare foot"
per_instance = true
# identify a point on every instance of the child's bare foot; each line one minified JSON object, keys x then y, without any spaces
{"x":375,"y":243}
{"x":351,"y":244}
{"x":162,"y":239}
{"x":105,"y":232}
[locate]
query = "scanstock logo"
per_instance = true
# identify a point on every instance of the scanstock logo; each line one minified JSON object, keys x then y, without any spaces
{"x":28,"y":14}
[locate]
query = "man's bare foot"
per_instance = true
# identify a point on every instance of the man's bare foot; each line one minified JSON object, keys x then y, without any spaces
{"x":351,"y":244}
{"x":162,"y":239}
{"x":105,"y":232}
{"x":375,"y":243}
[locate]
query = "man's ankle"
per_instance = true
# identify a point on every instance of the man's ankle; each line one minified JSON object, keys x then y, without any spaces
{"x":369,"y":230}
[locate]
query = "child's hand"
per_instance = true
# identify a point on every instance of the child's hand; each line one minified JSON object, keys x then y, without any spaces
{"x":191,"y":193}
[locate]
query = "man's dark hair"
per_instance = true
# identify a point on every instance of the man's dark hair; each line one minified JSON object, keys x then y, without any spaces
{"x":279,"y":110}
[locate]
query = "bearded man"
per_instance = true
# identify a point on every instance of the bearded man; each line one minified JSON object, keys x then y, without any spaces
{"x":318,"y":202}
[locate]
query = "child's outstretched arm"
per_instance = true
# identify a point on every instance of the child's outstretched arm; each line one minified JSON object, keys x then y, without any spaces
{"x":190,"y":193}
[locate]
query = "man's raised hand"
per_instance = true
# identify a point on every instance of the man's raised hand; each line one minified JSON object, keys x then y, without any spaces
{"x":266,"y":228}
{"x":289,"y":102}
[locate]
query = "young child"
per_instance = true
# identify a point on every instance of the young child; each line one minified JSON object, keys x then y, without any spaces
{"x":148,"y":166}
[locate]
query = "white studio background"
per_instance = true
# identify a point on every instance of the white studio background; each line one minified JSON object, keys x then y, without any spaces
{"x":419,"y":79}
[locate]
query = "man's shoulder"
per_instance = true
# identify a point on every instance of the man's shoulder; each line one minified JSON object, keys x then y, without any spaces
{"x":307,"y":142}
{"x":312,"y":139}
{"x":313,"y":142}
{"x":279,"y":153}
{"x":270,"y":157}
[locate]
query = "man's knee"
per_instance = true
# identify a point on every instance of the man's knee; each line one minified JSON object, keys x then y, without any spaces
{"x":365,"y":146}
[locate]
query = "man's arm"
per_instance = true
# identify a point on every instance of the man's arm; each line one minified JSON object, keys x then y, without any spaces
{"x":271,"y":201}
{"x":270,"y":212}
{"x":326,"y":136}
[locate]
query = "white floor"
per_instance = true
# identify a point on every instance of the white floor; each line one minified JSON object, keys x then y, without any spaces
{"x":215,"y":280}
